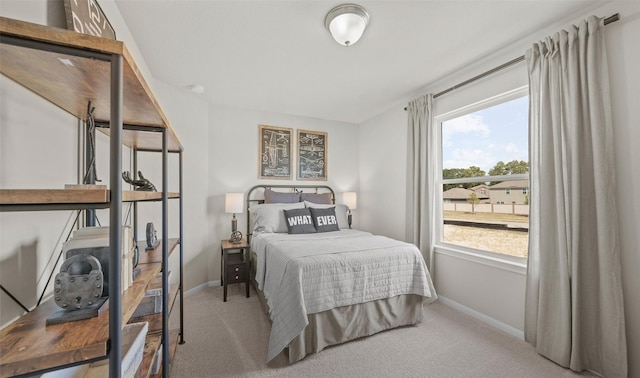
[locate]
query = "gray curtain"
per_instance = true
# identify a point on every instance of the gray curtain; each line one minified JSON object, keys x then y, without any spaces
{"x":574,"y":307}
{"x":421,"y":165}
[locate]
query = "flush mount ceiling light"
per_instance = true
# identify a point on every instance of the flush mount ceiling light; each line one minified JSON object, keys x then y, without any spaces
{"x":346,"y":23}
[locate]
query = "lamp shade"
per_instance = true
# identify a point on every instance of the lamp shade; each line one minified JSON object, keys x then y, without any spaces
{"x":233,"y":203}
{"x":346,"y":23}
{"x":350,"y":199}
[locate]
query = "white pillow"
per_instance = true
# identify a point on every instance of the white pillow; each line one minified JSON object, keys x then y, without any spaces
{"x":269,"y":217}
{"x":341,"y":212}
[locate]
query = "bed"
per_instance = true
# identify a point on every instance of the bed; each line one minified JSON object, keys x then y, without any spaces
{"x":321,"y":282}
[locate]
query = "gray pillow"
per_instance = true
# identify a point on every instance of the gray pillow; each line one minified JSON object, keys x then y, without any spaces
{"x":341,"y":213}
{"x":270,"y":217}
{"x":325,"y":219}
{"x":323,"y":198}
{"x":299,"y":221}
{"x":271,"y":196}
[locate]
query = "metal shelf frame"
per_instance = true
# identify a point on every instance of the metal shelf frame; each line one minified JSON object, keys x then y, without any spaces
{"x":116,"y":127}
{"x":165,"y":246}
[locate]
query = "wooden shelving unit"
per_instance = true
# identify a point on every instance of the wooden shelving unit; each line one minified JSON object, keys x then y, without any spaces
{"x":29,"y":345}
{"x":70,"y":69}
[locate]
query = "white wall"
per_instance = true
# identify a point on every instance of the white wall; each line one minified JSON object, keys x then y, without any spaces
{"x":383,"y":158}
{"x":233,"y":162}
{"x":499,"y":293}
{"x":190,"y":119}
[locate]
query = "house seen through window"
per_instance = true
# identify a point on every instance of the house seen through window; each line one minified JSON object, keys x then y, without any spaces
{"x":485,"y":180}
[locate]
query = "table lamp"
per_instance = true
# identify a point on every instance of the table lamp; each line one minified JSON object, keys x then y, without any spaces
{"x":349,"y":199}
{"x":233,"y":205}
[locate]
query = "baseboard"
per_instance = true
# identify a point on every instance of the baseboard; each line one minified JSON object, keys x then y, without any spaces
{"x":196,"y":289}
{"x":485,"y":318}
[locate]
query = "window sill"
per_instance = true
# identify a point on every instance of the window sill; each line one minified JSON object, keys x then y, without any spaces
{"x":508,"y":263}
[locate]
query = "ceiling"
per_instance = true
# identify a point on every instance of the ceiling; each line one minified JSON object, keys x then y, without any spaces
{"x":277,"y":55}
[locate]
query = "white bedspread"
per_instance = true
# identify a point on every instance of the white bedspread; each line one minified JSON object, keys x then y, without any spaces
{"x":310,"y":273}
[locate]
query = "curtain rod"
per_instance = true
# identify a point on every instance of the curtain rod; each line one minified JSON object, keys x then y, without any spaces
{"x":519,"y":59}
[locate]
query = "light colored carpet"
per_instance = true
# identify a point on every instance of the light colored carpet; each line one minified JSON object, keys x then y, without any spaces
{"x":230,"y":340}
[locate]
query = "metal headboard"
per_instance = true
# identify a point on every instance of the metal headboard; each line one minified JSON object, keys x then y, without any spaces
{"x":255,"y":196}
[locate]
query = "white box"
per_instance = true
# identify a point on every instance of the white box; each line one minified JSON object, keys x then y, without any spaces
{"x":133,"y":340}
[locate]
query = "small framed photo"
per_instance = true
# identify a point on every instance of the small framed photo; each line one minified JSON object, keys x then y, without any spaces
{"x":274,"y":157}
{"x":312,"y":155}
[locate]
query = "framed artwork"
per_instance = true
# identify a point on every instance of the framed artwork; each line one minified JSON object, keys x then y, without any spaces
{"x":274,"y":158}
{"x":86,"y":16}
{"x":312,"y":155}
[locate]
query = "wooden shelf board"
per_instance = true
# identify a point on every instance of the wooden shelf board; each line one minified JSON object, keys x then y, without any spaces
{"x":173,"y":343}
{"x":133,"y":295}
{"x":99,"y":197}
{"x":70,"y":81}
{"x":154,"y":255}
{"x":53,"y":196}
{"x":136,"y":196}
{"x":29,"y":345}
{"x":152,"y":343}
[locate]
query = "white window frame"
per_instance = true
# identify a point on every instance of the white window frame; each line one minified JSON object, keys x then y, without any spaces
{"x":494,"y":259}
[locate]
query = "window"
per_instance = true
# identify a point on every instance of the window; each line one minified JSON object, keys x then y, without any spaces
{"x":485,"y":144}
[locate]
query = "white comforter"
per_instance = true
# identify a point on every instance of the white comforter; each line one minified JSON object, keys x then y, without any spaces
{"x":310,"y":273}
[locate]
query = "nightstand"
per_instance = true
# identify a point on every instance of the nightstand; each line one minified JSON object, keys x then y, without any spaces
{"x":235,"y":264}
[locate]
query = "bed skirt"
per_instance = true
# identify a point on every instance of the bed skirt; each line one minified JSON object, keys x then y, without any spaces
{"x":347,"y":323}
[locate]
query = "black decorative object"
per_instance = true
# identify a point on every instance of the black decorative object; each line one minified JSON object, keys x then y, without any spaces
{"x":78,"y":289}
{"x":236,"y":237}
{"x":152,"y":237}
{"x":135,"y":260}
{"x":136,"y":255}
{"x":141,"y":184}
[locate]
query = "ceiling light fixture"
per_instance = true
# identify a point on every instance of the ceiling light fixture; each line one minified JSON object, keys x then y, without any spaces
{"x":346,"y":23}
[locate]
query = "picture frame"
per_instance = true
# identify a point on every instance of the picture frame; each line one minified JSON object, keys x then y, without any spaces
{"x":274,"y":156}
{"x":312,"y":155}
{"x":86,"y":17}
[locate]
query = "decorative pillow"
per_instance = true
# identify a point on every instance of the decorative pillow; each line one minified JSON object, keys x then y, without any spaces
{"x":341,"y":212}
{"x":323,"y":198}
{"x":270,"y":218}
{"x":271,"y":196}
{"x":299,"y":221}
{"x":325,"y":219}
